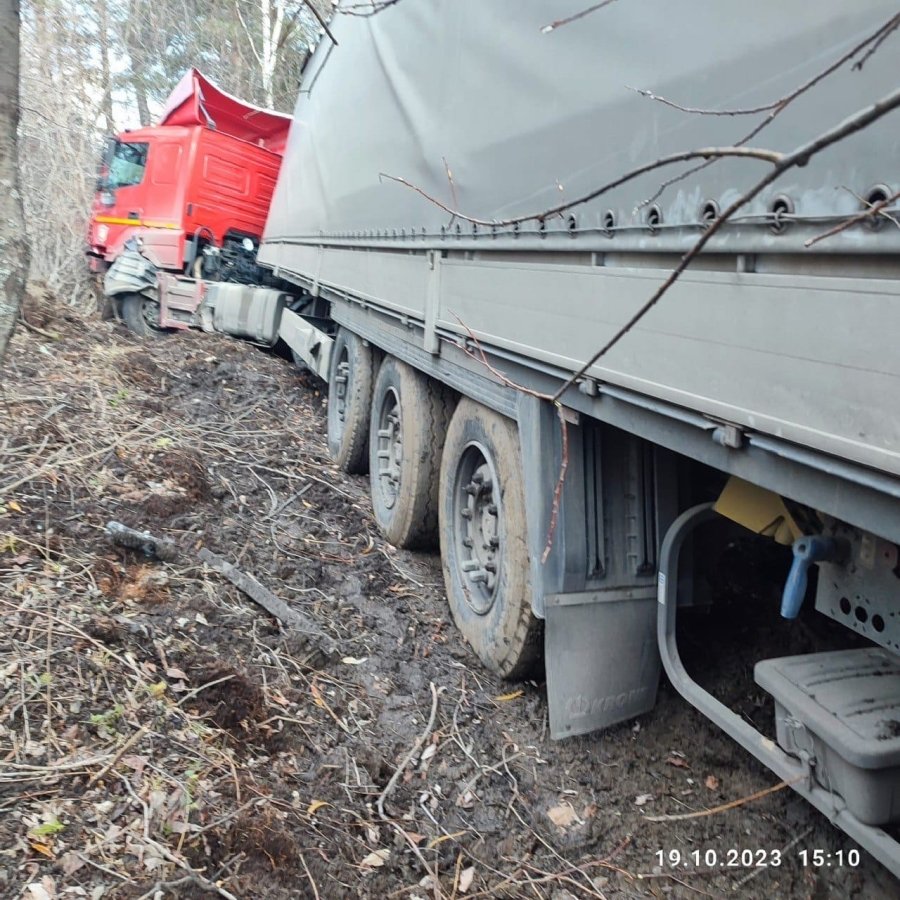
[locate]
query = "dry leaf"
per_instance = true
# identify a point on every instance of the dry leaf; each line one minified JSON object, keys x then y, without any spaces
{"x":428,"y":752}
{"x":563,"y":815}
{"x":678,"y":761}
{"x":641,"y":799}
{"x":43,"y":849}
{"x":466,"y":877}
{"x":375,"y":859}
{"x":316,"y":805}
{"x":513,"y":695}
{"x":466,"y":800}
{"x":353,"y":661}
{"x":711,"y":782}
{"x":176,"y":673}
{"x":71,"y":862}
{"x":11,"y":504}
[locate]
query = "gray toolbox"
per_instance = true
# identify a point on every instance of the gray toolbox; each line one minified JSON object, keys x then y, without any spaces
{"x":842,"y":710}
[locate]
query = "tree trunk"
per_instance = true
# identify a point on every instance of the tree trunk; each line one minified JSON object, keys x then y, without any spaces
{"x":140,"y":93}
{"x":105,"y":74}
{"x":13,"y":246}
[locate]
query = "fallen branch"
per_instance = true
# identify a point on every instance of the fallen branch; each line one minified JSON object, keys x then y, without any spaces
{"x":268,"y":601}
{"x":725,"y":806}
{"x":420,"y":741}
{"x":164,"y":549}
{"x":134,"y":739}
{"x":406,"y":759}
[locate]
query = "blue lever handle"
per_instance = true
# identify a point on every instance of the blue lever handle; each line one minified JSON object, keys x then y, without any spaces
{"x":808,"y":550}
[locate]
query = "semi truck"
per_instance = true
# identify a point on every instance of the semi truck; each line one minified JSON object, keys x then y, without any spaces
{"x":193,"y":191}
{"x":476,"y":198}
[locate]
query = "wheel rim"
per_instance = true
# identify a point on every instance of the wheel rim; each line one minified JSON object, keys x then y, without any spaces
{"x":476,"y":516}
{"x":341,"y":383}
{"x":389,"y":448}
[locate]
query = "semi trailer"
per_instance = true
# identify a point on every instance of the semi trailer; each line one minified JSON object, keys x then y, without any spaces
{"x":476,"y":198}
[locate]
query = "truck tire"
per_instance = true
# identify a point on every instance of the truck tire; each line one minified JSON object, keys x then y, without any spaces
{"x":349,"y":402}
{"x":410,"y":414}
{"x":484,"y":549}
{"x":141,"y":315}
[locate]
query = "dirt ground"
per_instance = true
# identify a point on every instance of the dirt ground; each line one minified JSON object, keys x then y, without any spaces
{"x":162,"y":736}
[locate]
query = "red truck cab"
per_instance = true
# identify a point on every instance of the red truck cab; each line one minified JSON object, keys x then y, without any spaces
{"x":202,"y":178}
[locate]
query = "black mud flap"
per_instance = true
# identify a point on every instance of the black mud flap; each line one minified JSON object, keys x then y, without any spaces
{"x":602,"y":659}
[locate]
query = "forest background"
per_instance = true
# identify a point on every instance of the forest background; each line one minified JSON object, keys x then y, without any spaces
{"x":90,"y":69}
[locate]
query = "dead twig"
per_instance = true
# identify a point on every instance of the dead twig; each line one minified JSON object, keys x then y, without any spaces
{"x":798,"y":157}
{"x":134,"y":739}
{"x":366,"y":9}
{"x":552,"y":26}
{"x":679,"y":817}
{"x":165,"y":852}
{"x":318,"y":17}
{"x":874,"y":209}
{"x":419,"y":742}
{"x":770,"y":156}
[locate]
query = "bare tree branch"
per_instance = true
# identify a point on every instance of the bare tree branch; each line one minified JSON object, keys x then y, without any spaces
{"x":481,"y":357}
{"x":366,"y":9}
{"x":320,"y":19}
{"x":799,"y":157}
{"x":546,"y":29}
{"x":776,"y":107}
{"x":770,"y":156}
{"x":857,"y":66}
{"x":874,"y":210}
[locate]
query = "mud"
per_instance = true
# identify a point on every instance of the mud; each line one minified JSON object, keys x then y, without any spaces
{"x":239,"y":465}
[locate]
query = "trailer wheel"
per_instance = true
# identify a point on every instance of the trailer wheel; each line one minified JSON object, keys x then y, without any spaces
{"x":484,"y":547}
{"x":349,"y":402}
{"x":410,"y":413}
{"x":141,"y":315}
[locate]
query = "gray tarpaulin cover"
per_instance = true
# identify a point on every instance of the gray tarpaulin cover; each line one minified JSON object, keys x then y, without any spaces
{"x":477,"y":104}
{"x":526,"y":118}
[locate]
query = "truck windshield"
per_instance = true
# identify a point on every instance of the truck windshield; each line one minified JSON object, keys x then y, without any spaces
{"x":126,"y":163}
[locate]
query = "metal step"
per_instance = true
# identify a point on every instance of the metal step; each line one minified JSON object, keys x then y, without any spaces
{"x":840,"y":711}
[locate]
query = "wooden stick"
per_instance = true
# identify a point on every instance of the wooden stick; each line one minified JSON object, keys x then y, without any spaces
{"x":268,"y":601}
{"x":725,"y":806}
{"x":168,"y":551}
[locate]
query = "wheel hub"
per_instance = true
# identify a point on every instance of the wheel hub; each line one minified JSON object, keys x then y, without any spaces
{"x":150,"y":313}
{"x":477,"y":518}
{"x":389,"y":452}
